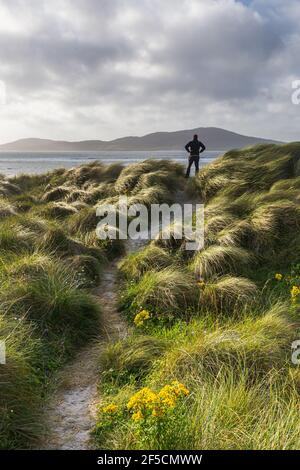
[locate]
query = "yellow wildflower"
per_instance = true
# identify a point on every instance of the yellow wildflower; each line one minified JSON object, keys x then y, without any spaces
{"x":138,"y":416}
{"x":201,"y":284}
{"x":180,"y":388}
{"x":167,"y":395}
{"x":170,"y":393}
{"x":109,"y":409}
{"x":141,"y":317}
{"x":278,"y":276}
{"x":295,"y":291}
{"x":146,"y":403}
{"x":144,"y":398}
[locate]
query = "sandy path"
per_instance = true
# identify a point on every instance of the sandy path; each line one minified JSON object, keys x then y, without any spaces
{"x":71,"y":412}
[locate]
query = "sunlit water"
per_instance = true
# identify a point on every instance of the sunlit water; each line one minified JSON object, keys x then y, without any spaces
{"x":14,"y":163}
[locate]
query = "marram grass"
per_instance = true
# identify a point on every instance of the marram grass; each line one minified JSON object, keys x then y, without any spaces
{"x":210,"y":333}
{"x":50,"y":258}
{"x":224,"y":329}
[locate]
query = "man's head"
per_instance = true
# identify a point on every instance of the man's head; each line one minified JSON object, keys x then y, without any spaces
{"x":195,"y":137}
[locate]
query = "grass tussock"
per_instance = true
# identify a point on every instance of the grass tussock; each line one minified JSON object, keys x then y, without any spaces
{"x":8,"y":188}
{"x":85,"y":221}
{"x":131,"y":359}
{"x":147,"y":174}
{"x":217,"y":260}
{"x":88,"y":269}
{"x":152,"y":258}
{"x":256,"y":344}
{"x":6,"y":209}
{"x":56,"y":210}
{"x":228,"y":293}
{"x":56,"y":194}
{"x":168,"y":291}
{"x":53,"y":299}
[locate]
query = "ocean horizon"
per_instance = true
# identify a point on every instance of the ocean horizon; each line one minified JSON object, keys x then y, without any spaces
{"x":15,"y":163}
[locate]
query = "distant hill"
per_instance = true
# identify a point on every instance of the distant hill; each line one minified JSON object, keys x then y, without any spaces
{"x":213,"y":137}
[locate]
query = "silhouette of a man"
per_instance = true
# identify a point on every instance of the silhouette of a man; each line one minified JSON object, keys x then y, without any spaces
{"x":194,"y":148}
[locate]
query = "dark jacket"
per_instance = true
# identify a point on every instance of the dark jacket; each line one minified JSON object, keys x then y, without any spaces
{"x":195,"y":147}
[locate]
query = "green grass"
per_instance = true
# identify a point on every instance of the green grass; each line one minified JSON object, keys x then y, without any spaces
{"x":56,"y":194}
{"x":56,"y":210}
{"x":152,"y":258}
{"x":217,"y":260}
{"x":130,"y":360}
{"x":223,"y":323}
{"x":88,"y":269}
{"x":217,"y":321}
{"x":53,"y":299}
{"x":166,"y":292}
{"x":242,"y":391}
{"x":46,"y":316}
{"x":50,"y":258}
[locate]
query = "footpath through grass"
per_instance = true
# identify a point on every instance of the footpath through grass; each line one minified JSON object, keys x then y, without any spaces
{"x":50,"y":260}
{"x":208,"y":362}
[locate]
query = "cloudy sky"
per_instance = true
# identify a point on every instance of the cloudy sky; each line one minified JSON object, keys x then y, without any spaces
{"x":82,"y":69}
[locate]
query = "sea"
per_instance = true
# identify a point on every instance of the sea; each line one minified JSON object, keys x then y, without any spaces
{"x":16,"y":163}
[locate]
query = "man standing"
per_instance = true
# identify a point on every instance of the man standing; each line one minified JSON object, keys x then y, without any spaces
{"x":194,"y":148}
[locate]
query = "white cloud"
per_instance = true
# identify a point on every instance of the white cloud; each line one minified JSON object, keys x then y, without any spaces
{"x":77,"y":69}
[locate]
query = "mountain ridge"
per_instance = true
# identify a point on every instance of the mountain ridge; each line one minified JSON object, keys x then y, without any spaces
{"x":213,"y":137}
